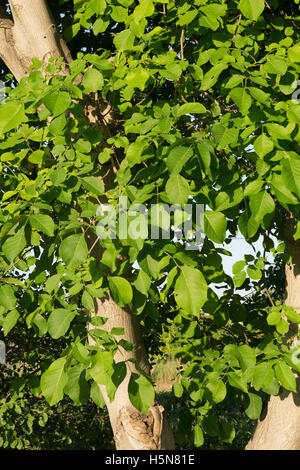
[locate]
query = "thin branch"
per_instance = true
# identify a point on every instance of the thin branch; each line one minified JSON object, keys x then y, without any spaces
{"x":181,"y":44}
{"x":14,"y":264}
{"x":148,"y":94}
{"x":237,"y":27}
{"x":93,"y":246}
{"x":269,"y":296}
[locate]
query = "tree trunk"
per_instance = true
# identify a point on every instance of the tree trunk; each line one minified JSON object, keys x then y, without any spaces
{"x":31,"y":33}
{"x":132,"y":429}
{"x":279,"y":426}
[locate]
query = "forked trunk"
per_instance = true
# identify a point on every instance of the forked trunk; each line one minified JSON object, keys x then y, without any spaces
{"x":31,"y":33}
{"x":279,"y":426}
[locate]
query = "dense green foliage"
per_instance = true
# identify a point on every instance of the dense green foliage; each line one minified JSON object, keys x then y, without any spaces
{"x":200,"y":104}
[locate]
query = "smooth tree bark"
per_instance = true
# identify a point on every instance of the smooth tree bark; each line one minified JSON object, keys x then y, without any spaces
{"x":279,"y":426}
{"x":31,"y":33}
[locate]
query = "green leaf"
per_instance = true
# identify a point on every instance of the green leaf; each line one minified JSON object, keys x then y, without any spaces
{"x":215,"y":225}
{"x":259,"y":95}
{"x":137,"y":78}
{"x":81,"y":353}
{"x":9,"y":321}
{"x":14,"y":245}
{"x":211,"y":77}
{"x":246,"y":356}
{"x":254,"y":407}
{"x":254,"y":273}
{"x":293,"y":358}
{"x":93,"y":184}
{"x":261,"y":204}
{"x":252,"y":9}
{"x":121,"y":290}
{"x":124,"y":40}
{"x":58,"y":176}
{"x":36,"y":157}
{"x":218,"y":390}
{"x":93,"y":80}
{"x":54,"y":380}
{"x":83,"y":146}
{"x":285,"y":376}
{"x":294,"y":53}
{"x":242,"y":99}
{"x":238,"y":266}
{"x":177,"y":158}
{"x":227,"y":431}
{"x":77,"y":387}
{"x":57,"y":102}
{"x":198,"y":436}
{"x":238,"y":382}
{"x":276,"y":65}
{"x":178,"y":189}
{"x":224,"y":136}
{"x":191,"y":108}
{"x":281,"y":191}
{"x":239,"y":278}
{"x":134,"y":152}
{"x":7,"y":297}
{"x":143,"y":10}
{"x":178,"y":389}
{"x":142,"y":282}
{"x":190,"y":290}
{"x":11,"y":115}
{"x":97,"y":396}
{"x":263,"y":145}
{"x":291,"y":314}
{"x":141,"y":392}
{"x":291,"y":174}
{"x":263,"y":375}
{"x":282,"y":327}
{"x":73,"y":250}
{"x":274,"y":317}
{"x":59,"y":322}
{"x":43,"y":223}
